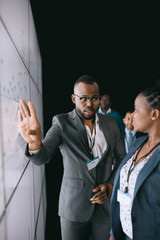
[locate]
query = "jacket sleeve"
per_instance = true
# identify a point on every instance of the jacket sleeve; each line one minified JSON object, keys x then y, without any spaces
{"x":50,"y":144}
{"x":118,"y":151}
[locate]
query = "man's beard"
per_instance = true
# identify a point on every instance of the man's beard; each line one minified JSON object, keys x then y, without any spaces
{"x":83,"y":115}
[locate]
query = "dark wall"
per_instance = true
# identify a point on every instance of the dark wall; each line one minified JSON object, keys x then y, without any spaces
{"x":108,"y":42}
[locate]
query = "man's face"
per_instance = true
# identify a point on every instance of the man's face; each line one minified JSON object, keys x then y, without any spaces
{"x":105,"y":102}
{"x":86,"y":108}
{"x":128,"y":121}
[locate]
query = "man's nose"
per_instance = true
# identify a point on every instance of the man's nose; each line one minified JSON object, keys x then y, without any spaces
{"x":89,"y":102}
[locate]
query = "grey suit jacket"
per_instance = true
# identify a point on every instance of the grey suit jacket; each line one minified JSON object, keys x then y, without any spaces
{"x":146,"y":201}
{"x":68,"y":133}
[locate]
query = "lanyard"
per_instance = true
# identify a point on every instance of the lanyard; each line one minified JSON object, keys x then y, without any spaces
{"x":133,"y":165}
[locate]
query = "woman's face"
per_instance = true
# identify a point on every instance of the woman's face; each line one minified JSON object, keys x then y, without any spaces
{"x":142,"y":114}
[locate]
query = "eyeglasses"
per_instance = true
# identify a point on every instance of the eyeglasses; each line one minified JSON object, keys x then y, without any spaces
{"x":85,"y":99}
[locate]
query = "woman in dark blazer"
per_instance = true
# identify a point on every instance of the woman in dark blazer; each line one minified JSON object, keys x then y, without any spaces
{"x":135,"y":201}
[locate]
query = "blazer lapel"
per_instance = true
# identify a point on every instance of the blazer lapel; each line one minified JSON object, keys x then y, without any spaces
{"x":81,"y":129}
{"x":147,"y":169}
{"x":106,"y":136}
{"x":106,"y":133}
{"x":133,"y":149}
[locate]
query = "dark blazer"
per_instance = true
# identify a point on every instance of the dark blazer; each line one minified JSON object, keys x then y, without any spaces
{"x":146,"y":202}
{"x":68,"y":133}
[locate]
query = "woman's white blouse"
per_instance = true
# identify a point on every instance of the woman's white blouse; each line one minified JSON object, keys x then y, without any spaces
{"x":125,"y":209}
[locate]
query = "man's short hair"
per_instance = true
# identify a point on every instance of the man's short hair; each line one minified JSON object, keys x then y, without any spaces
{"x":85,"y":79}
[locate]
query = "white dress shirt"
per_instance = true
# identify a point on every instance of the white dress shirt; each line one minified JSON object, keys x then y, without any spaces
{"x":96,"y":140}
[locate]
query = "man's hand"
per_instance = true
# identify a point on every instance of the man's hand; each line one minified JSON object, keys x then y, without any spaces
{"x":104,"y":192}
{"x":29,"y":127}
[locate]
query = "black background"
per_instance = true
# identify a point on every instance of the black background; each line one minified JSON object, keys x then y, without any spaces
{"x":116,"y":43}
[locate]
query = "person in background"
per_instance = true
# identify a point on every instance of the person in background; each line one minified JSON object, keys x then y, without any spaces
{"x":129,"y":134}
{"x":135,"y":200}
{"x":88,"y":142}
{"x":105,"y":109}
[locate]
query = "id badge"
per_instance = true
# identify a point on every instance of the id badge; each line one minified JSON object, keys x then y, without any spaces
{"x":92,"y":163}
{"x":124,"y":198}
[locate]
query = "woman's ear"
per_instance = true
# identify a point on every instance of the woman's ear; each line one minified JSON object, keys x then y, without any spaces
{"x":155,"y":114}
{"x":73,"y":98}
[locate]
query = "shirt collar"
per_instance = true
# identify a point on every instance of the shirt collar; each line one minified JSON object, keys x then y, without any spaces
{"x":132,"y":132}
{"x":100,"y":111}
{"x":96,"y":119}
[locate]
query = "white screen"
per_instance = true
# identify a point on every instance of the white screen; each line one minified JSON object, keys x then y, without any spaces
{"x":22,"y":184}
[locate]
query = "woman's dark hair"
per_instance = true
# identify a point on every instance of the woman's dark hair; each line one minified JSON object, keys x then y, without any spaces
{"x":153,"y":97}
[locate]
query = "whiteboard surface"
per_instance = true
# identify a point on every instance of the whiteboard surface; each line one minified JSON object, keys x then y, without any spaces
{"x":22,"y":184}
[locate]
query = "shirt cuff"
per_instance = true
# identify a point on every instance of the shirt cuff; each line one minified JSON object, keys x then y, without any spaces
{"x":33,"y":152}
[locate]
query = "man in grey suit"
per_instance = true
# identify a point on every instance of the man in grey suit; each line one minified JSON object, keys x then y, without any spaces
{"x":92,"y":150}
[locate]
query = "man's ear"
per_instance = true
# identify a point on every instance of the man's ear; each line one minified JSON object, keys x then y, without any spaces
{"x":155,"y":114}
{"x":73,"y":98}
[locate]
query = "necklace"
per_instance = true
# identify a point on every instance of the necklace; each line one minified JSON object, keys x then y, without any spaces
{"x":149,"y":144}
{"x":134,"y":163}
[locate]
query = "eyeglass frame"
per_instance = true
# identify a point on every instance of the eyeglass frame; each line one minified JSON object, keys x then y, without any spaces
{"x":87,"y":98}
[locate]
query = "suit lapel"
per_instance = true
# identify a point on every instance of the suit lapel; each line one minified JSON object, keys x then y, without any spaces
{"x":106,"y":133}
{"x":134,"y":148}
{"x":82,"y":134}
{"x":81,"y":129}
{"x":147,"y":169}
